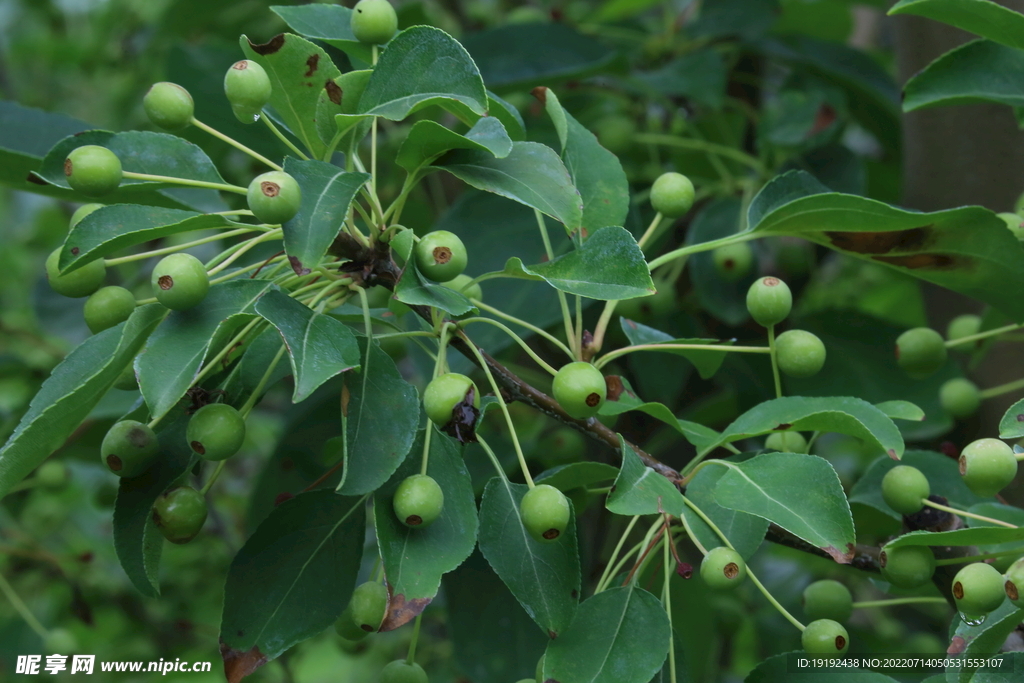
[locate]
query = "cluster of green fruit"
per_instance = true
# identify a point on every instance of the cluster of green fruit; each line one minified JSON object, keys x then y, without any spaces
{"x":922,"y":351}
{"x":798,"y":353}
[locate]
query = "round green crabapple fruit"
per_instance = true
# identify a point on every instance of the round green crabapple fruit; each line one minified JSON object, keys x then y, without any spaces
{"x":374,"y":21}
{"x":168,"y":106}
{"x":459,"y":284}
{"x":127,"y":381}
{"x":365,"y":611}
{"x":672,"y":194}
{"x":904,"y":488}
{"x":444,"y":393}
{"x":827,"y":599}
{"x":1014,"y":223}
{"x":723,"y":567}
{"x":418,"y":501}
{"x":52,"y":474}
{"x":769,"y":301}
{"x":440,"y":255}
{"x":81,"y":212}
{"x":60,"y":641}
{"x":180,"y":281}
{"x":907,"y":566}
{"x":216,"y":431}
{"x":180,"y":514}
{"x":274,"y":197}
{"x":107,"y":307}
{"x":546,"y":512}
{"x":560,"y":447}
{"x":960,"y":397}
{"x":615,"y":133}
{"x":580,"y":389}
{"x":248,"y":89}
{"x":93,"y":170}
{"x":799,"y":353}
{"x":1013,"y":584}
{"x":129,"y":448}
{"x":962,"y":326}
{"x":825,"y":637}
{"x":978,"y":589}
{"x":400,"y":671}
{"x":920,"y":352}
{"x":987,"y":466}
{"x":77,"y":283}
{"x":733,"y":261}
{"x":786,"y":442}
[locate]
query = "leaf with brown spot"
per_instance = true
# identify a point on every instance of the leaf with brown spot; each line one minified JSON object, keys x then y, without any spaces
{"x":311,"y":64}
{"x":402,"y":611}
{"x":238,"y":665}
{"x":270,"y":47}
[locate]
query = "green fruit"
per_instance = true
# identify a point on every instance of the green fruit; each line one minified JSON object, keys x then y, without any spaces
{"x":960,"y":397}
{"x":561,"y":447}
{"x":78,"y":283}
{"x":1013,"y":583}
{"x":81,"y":212}
{"x":127,"y":381}
{"x":129,"y":448}
{"x":348,"y":629}
{"x":180,"y":281}
{"x":274,"y":197}
{"x":786,"y":442}
{"x":374,"y":21}
{"x":248,"y":89}
{"x":733,"y":261}
{"x":615,"y":133}
{"x":418,"y":501}
{"x":723,"y":567}
{"x":180,"y":514}
{"x":963,"y":326}
{"x":216,"y":431}
{"x":580,"y":389}
{"x":440,"y":255}
{"x":907,"y":566}
{"x":646,"y":307}
{"x":672,"y":194}
{"x":769,"y":301}
{"x":368,"y":606}
{"x":52,"y":474}
{"x":827,"y":599}
{"x":1014,"y":223}
{"x":545,"y":511}
{"x":107,"y":307}
{"x":987,"y":466}
{"x":904,"y":489}
{"x":799,"y":353}
{"x":400,"y":671}
{"x":459,"y":282}
{"x":168,"y":106}
{"x":920,"y":352}
{"x":93,"y":170}
{"x":825,"y":637}
{"x":60,"y":641}
{"x":978,"y":589}
{"x":444,"y":393}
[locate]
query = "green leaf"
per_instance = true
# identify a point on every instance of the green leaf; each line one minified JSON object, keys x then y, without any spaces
{"x":968,"y":249}
{"x":844,"y":415}
{"x":327,"y":193}
{"x":801,"y":493}
{"x":620,"y":635}
{"x":544,"y":577}
{"x":416,"y":559}
{"x":1011,"y":426}
{"x":531,"y":174}
{"x":576,"y":475}
{"x":70,"y":393}
{"x":382,"y":414}
{"x":427,"y":140}
{"x":700,"y":76}
{"x":745,"y":531}
{"x":508,"y":115}
{"x":724,"y":299}
{"x":302,"y":76}
{"x":331,"y":24}
{"x":981,"y":17}
{"x":112,"y":228}
{"x":423,"y":66}
{"x":293,"y":577}
{"x":900,"y":410}
{"x":981,"y":535}
{"x":416,"y":290}
{"x":623,"y":399}
{"x":980,"y":71}
{"x":942,"y":472}
{"x":778,"y":669}
{"x":319,"y":347}
{"x":136,"y":539}
{"x":706,"y":362}
{"x":639,"y":490}
{"x":176,"y":351}
{"x":986,"y":639}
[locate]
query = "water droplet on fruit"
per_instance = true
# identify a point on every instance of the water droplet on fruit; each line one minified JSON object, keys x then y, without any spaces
{"x":973,"y":620}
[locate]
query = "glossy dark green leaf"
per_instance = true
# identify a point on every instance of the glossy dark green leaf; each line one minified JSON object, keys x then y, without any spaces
{"x":724,"y":299}
{"x":700,"y":76}
{"x":294,"y":576}
{"x":416,"y":290}
{"x":113,"y":228}
{"x":639,"y":490}
{"x":255,"y":361}
{"x":322,"y":21}
{"x":779,"y":669}
{"x":620,"y":635}
{"x":416,"y":559}
{"x":423,"y":66}
{"x":576,"y":475}
{"x":1011,"y":426}
{"x":427,"y":140}
{"x":327,"y":193}
{"x":968,"y":249}
{"x":176,"y":351}
{"x":302,"y":75}
{"x":508,"y":115}
{"x":981,"y":535}
{"x":382,"y":413}
{"x":801,"y":493}
{"x":980,"y":71}
{"x":706,"y":362}
{"x":745,"y":531}
{"x":319,"y":347}
{"x":982,"y":17}
{"x":70,"y":393}
{"x":624,"y":398}
{"x":986,"y":639}
{"x":544,"y":577}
